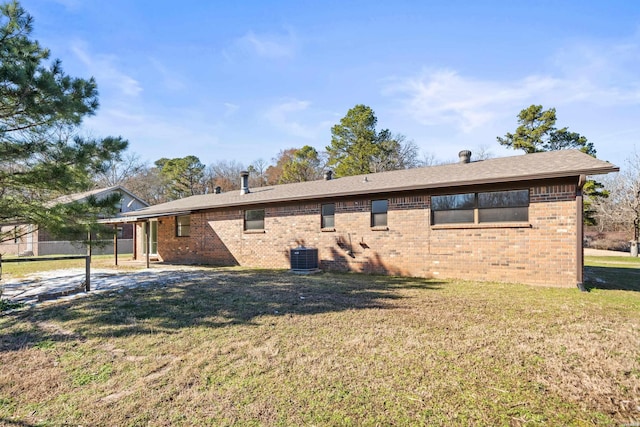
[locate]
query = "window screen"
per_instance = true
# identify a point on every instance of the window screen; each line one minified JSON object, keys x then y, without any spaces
{"x":328,"y":215}
{"x":379,"y":213}
{"x":503,"y":206}
{"x":183,"y":226}
{"x":492,"y":206}
{"x":453,"y":208}
{"x":254,"y":219}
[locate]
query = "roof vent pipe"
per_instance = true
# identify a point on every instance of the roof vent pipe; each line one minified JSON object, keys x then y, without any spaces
{"x":244,"y":182}
{"x":217,"y":190}
{"x":465,"y":156}
{"x":328,"y":174}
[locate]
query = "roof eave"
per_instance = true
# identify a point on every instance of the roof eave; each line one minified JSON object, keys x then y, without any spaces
{"x":359,"y":192}
{"x":143,"y":217}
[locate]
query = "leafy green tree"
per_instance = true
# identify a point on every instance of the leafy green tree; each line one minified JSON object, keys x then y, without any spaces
{"x":182,"y":176}
{"x":357,"y":148}
{"x":537,"y":132}
{"x":354,"y":142}
{"x":274,"y":172}
{"x":303,"y":165}
{"x":594,"y":192}
{"x":40,"y":158}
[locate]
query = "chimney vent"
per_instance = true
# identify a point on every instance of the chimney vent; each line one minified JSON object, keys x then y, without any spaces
{"x":244,"y":182}
{"x":328,"y":174}
{"x":465,"y":156}
{"x":217,"y":190}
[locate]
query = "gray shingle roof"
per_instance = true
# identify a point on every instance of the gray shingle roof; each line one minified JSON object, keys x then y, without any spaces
{"x":553,"y":164}
{"x":77,"y":197}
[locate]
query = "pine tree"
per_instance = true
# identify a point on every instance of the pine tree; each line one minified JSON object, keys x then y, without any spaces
{"x":41,"y":108}
{"x":537,"y":132}
{"x":357,"y":148}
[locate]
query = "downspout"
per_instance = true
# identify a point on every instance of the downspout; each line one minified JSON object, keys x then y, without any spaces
{"x":580,"y":233}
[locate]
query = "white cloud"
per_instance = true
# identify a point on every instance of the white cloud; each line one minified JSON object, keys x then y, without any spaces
{"x":604,"y":73}
{"x":72,"y":5}
{"x":154,"y":135}
{"x":597,"y":74}
{"x":443,"y":96}
{"x":270,"y":46}
{"x":104,"y":69}
{"x":280,"y":114}
{"x":230,"y":109}
{"x":169,"y":78}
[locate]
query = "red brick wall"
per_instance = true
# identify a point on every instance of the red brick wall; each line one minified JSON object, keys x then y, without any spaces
{"x":541,"y":251}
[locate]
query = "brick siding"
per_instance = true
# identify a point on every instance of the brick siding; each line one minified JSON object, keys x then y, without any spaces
{"x":541,"y":251}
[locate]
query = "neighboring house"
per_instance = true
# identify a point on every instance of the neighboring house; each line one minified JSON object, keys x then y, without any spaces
{"x":30,"y":240}
{"x":512,"y":219}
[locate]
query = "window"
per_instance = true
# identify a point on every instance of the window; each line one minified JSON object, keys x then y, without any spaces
{"x":379,"y":213}
{"x":183,"y":226}
{"x":254,"y":219}
{"x":453,"y":209}
{"x":503,"y":206}
{"x":492,"y":206}
{"x":327,"y":217}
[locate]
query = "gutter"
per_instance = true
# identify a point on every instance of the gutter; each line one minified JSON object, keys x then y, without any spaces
{"x":139,"y":218}
{"x":256,"y":201}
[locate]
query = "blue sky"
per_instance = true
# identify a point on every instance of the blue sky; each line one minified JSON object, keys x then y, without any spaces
{"x":242,"y":80}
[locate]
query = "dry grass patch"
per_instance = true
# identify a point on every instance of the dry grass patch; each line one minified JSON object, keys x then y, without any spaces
{"x":237,"y":347}
{"x":21,"y":269}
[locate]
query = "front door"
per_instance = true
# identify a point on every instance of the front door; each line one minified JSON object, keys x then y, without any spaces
{"x":153,"y":237}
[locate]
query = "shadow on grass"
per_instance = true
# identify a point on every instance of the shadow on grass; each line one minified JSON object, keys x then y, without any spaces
{"x":612,"y":278}
{"x":10,"y":422}
{"x":210,"y":298}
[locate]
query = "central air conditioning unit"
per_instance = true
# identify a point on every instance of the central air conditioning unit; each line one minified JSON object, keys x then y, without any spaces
{"x":304,"y":259}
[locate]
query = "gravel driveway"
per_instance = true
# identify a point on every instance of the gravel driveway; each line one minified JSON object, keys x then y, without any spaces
{"x":69,"y":283}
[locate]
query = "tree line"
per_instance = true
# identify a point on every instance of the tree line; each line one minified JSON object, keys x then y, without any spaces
{"x":356,"y":147}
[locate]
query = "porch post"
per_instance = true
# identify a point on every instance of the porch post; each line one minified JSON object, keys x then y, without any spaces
{"x":115,"y":243}
{"x":147,"y":226}
{"x":580,"y":234}
{"x":89,"y":245}
{"x":87,"y":274}
{"x":135,"y":241}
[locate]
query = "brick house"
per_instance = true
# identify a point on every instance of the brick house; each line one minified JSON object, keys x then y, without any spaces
{"x":511,"y":219}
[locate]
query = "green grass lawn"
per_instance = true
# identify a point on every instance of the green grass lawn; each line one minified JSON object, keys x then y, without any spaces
{"x":622,"y":273}
{"x":255,"y":347}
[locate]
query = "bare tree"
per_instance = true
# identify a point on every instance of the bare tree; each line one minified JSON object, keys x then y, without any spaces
{"x":396,"y":153}
{"x":428,"y":159}
{"x":223,"y":174}
{"x":483,"y":152}
{"x":118,"y":172}
{"x":618,"y":211}
{"x":147,"y":184}
{"x":257,"y":173}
